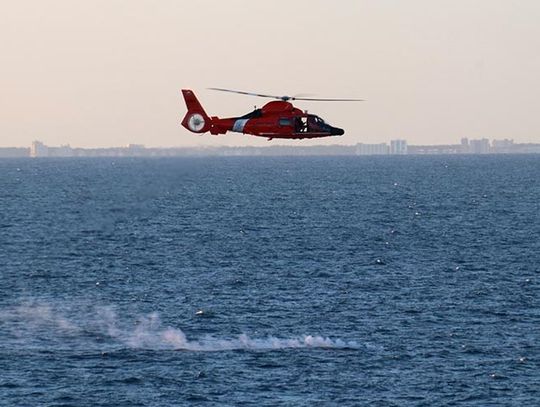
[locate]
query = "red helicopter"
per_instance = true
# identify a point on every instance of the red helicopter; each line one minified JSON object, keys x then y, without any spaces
{"x":276,"y":119}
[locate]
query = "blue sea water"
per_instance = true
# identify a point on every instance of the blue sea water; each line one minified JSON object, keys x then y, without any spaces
{"x":385,"y":281}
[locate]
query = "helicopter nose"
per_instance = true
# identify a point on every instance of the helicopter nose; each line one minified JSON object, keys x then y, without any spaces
{"x":337,"y":131}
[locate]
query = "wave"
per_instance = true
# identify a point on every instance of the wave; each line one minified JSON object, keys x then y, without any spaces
{"x":43,"y":322}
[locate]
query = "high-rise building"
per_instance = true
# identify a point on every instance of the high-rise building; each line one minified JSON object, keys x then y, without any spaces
{"x":479,"y":146}
{"x":38,"y":149}
{"x":464,"y":146}
{"x":398,"y":147}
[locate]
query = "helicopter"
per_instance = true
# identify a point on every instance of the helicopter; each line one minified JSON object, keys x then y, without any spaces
{"x":276,"y":119}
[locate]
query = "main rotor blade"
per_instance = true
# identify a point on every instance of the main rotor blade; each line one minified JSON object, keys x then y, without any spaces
{"x":328,"y":100}
{"x":246,"y":93}
{"x":286,"y":98}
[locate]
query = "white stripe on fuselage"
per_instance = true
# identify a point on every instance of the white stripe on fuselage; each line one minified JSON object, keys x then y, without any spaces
{"x":239,"y":124}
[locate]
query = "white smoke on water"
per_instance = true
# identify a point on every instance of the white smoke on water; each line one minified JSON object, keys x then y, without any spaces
{"x":147,"y":333}
{"x":36,"y":317}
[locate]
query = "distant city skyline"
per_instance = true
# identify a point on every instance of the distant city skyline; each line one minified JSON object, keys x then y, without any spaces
{"x":109,"y":72}
{"x":395,"y":147}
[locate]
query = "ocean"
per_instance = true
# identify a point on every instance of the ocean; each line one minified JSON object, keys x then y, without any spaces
{"x":385,"y":281}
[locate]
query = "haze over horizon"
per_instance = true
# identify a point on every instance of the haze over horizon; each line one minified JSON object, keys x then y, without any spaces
{"x":109,"y":73}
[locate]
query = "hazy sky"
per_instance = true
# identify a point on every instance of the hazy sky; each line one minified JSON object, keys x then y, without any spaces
{"x":109,"y":72}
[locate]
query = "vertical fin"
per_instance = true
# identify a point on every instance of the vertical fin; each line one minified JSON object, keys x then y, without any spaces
{"x":196,"y":119}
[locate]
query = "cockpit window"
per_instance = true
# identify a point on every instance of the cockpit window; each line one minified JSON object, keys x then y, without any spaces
{"x":316,"y":124}
{"x":316,"y":119}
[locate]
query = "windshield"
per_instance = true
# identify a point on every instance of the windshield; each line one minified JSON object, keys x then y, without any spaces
{"x":316,"y":119}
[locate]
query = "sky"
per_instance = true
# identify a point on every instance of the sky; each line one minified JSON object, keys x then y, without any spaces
{"x":109,"y":72}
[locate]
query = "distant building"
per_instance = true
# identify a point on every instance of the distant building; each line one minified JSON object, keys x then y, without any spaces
{"x":372,"y":149}
{"x":502,"y":146}
{"x":479,"y":146}
{"x":38,"y":149}
{"x":465,"y":147}
{"x":437,"y":149}
{"x":134,"y":150}
{"x":398,"y":147}
{"x":14,"y":152}
{"x":526,"y":148}
{"x":62,"y":151}
{"x":502,"y":143}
